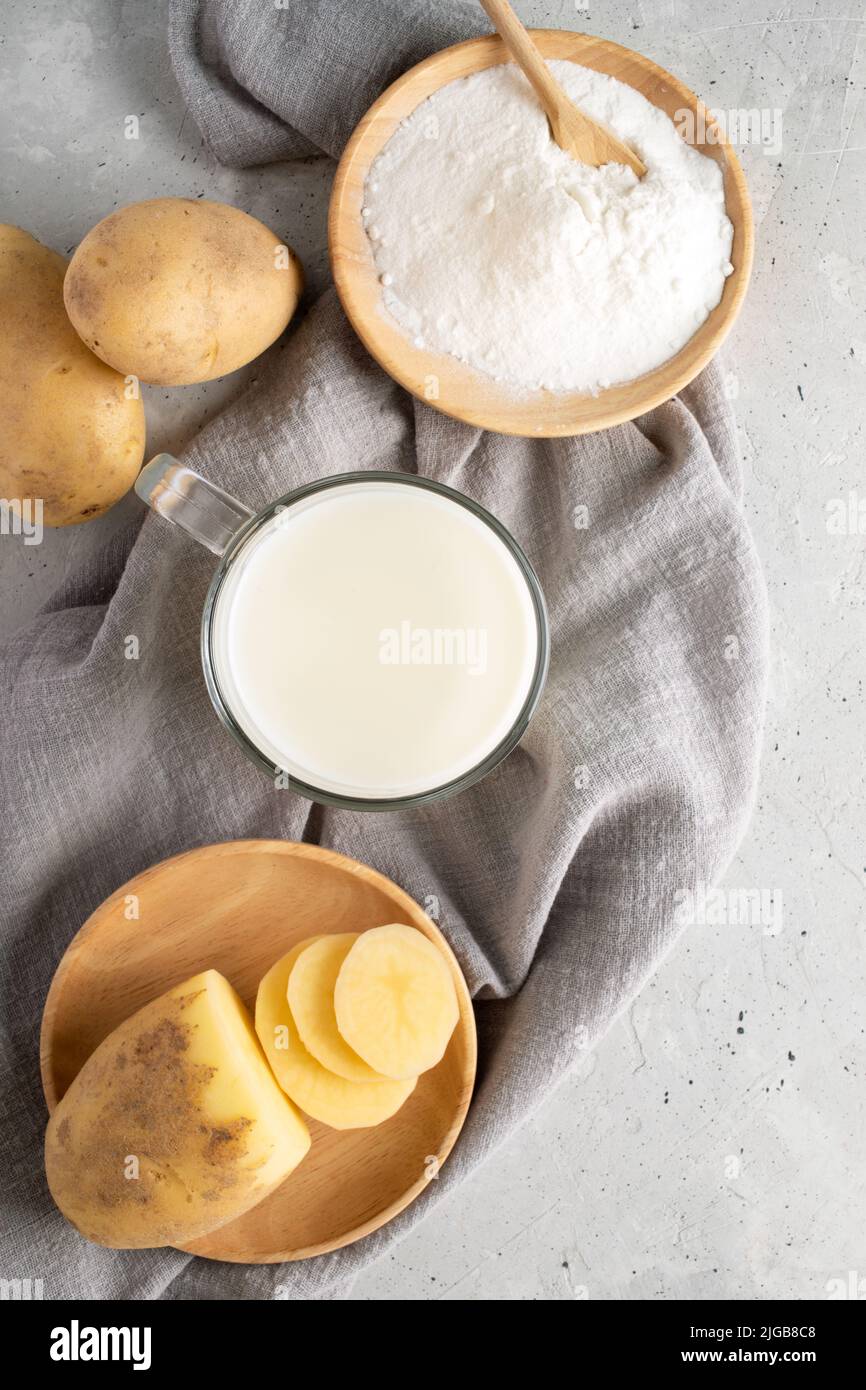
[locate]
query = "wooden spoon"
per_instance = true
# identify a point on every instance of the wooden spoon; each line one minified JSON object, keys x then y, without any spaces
{"x":581,"y":137}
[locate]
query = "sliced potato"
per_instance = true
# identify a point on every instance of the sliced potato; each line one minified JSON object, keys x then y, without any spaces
{"x":395,"y":1001}
{"x":311,"y":1000}
{"x":320,"y":1093}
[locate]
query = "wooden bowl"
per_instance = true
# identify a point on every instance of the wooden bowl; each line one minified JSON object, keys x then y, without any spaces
{"x":237,"y":907}
{"x":463,"y":392}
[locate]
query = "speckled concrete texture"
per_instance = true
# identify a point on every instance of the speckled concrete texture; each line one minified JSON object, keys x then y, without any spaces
{"x":713,"y":1145}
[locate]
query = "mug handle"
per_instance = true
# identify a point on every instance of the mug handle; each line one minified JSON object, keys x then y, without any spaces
{"x":198,"y":507}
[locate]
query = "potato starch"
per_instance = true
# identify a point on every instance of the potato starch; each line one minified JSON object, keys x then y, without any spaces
{"x":495,"y":247}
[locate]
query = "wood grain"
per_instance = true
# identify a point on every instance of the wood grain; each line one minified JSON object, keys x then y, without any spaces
{"x":237,"y":907}
{"x":463,"y":392}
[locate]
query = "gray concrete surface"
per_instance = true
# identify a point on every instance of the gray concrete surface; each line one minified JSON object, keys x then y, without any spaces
{"x":713,"y":1146}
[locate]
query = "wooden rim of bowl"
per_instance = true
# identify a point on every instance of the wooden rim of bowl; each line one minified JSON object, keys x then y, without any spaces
{"x":463,"y":393}
{"x":80,"y":977}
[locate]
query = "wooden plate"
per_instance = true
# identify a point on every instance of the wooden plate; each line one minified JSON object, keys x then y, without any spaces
{"x":237,"y":907}
{"x":463,"y":392}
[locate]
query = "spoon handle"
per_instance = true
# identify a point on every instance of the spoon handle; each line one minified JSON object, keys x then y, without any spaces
{"x":574,"y":132}
{"x":527,"y":56}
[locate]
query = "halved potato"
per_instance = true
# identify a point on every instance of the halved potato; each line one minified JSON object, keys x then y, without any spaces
{"x":395,"y":1001}
{"x":311,"y":1000}
{"x":320,"y":1093}
{"x":175,"y":1124}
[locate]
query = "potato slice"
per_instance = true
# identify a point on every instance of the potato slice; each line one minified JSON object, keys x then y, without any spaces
{"x":320,"y":1093}
{"x":175,"y":1124}
{"x":311,"y":1000}
{"x":395,"y":1001}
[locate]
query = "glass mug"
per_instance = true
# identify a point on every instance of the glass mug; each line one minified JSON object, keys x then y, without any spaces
{"x":375,"y":639}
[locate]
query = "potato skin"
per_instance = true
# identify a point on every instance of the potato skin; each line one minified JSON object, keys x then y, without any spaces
{"x":182,"y":1088}
{"x":68,"y":435}
{"x":180,"y":290}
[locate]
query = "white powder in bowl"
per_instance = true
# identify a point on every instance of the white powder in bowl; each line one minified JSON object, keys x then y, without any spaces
{"x":495,"y":247}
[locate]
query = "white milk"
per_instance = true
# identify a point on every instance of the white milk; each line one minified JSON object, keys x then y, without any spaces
{"x":375,"y":640}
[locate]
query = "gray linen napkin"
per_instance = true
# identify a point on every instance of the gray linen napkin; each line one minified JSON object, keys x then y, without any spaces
{"x":557,"y":877}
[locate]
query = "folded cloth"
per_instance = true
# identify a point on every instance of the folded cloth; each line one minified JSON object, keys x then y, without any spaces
{"x":558,"y":878}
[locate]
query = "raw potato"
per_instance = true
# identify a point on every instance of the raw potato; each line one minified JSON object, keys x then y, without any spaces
{"x":177,"y":290}
{"x":320,"y":1093}
{"x":181,"y":1089}
{"x":311,"y":1000}
{"x":68,"y":433}
{"x":395,"y":1001}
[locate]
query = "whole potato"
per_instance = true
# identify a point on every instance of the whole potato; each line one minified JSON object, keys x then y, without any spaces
{"x":71,"y":431}
{"x":177,"y":290}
